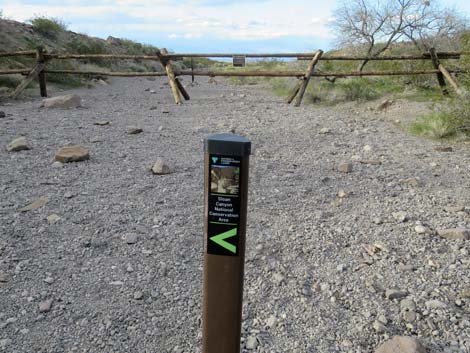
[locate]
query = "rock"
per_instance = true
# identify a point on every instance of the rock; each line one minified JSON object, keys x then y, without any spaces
{"x":271,"y":321}
{"x":132,"y":130}
{"x":345,"y":167}
{"x":251,"y":343}
{"x":53,"y":218}
{"x":49,"y":280}
{"x":454,"y":233}
{"x":160,"y":167}
{"x":385,"y":104}
{"x":35,"y":204}
{"x":3,"y":277}
{"x":4,"y":343}
{"x":400,"y":216}
{"x":379,"y":326}
{"x":370,"y":161}
{"x":401,"y":344}
{"x":435,"y":304}
{"x":342,"y":194}
{"x":408,"y":310}
{"x":165,"y":111}
{"x":392,"y":294}
{"x":102,"y":122}
{"x":367,"y":148}
{"x":131,"y":238}
{"x":57,"y":165}
{"x":152,"y":91}
{"x":414,"y":182}
{"x":278,"y":278}
{"x":420,"y":229}
{"x":45,"y":306}
{"x":18,"y":144}
{"x":324,"y":131}
{"x":67,"y":101}
{"x":138,"y":295}
{"x":454,"y":209}
{"x":2,"y":114}
{"x":72,"y":154}
{"x":443,"y":149}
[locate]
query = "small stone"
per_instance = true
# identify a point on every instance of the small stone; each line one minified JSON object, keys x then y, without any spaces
{"x":385,"y":104}
{"x":72,"y":154}
{"x":45,"y":306}
{"x":4,"y":343}
{"x":377,"y":220}
{"x":49,"y":280}
{"x":152,"y":91}
{"x":379,"y":326}
{"x":271,"y":321}
{"x":2,"y":114}
{"x":370,"y":161}
{"x":392,"y":294}
{"x":67,"y":101}
{"x":435,"y":304}
{"x":345,"y":167}
{"x":342,"y":194}
{"x":3,"y":277}
{"x":454,"y":233}
{"x":420,"y":229}
{"x":160,"y":167}
{"x":57,"y":165}
{"x":278,"y":278}
{"x":129,"y":269}
{"x":324,"y":131}
{"x":407,"y":304}
{"x":35,"y":204}
{"x":408,"y":316}
{"x":102,"y":122}
{"x":443,"y":149}
{"x":414,"y":182}
{"x":341,"y":267}
{"x":251,"y":343}
{"x":465,"y":293}
{"x":455,"y":209}
{"x":400,"y":216}
{"x":401,"y":344}
{"x":132,"y":130}
{"x":138,"y":295}
{"x":19,"y":144}
{"x":53,"y":218}
{"x":68,"y":195}
{"x":131,"y":238}
{"x":165,"y":111}
{"x":367,"y":148}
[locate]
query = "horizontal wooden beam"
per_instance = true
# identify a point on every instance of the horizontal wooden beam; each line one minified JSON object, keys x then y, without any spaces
{"x":31,"y":53}
{"x":424,"y":56}
{"x":100,"y":56}
{"x":236,"y":73}
{"x":107,"y":73}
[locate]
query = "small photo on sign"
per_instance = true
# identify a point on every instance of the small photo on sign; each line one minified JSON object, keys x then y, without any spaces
{"x":225,"y":179}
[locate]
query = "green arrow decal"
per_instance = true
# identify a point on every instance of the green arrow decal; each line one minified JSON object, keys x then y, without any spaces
{"x":220,"y":240}
{"x":215,"y":159}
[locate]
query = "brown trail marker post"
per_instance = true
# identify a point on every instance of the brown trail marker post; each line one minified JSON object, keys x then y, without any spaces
{"x":226,"y":162}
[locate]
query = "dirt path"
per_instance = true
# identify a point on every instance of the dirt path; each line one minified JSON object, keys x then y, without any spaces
{"x":310,"y":285}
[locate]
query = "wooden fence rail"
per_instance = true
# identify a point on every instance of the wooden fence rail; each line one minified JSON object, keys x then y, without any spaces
{"x":40,"y":71}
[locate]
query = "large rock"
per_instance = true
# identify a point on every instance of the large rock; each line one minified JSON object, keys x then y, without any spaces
{"x":19,"y":144}
{"x":67,"y":101}
{"x":455,"y":233}
{"x":160,"y":167}
{"x":72,"y":154}
{"x":401,"y":344}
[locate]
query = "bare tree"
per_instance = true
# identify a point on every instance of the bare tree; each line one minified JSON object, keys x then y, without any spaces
{"x":376,"y":24}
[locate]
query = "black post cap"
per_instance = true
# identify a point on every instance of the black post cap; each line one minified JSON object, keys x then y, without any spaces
{"x":227,"y":144}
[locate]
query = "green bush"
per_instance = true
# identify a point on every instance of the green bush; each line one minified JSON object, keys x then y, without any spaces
{"x":358,"y":89}
{"x":451,"y":120}
{"x":48,"y":26}
{"x":9,"y":81}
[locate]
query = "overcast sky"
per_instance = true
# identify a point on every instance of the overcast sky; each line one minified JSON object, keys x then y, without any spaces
{"x":198,"y":25}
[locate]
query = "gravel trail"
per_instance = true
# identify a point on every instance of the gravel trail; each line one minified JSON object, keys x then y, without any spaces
{"x":335,"y":261}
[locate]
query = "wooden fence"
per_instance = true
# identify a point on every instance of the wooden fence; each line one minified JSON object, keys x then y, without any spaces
{"x":40,"y":70}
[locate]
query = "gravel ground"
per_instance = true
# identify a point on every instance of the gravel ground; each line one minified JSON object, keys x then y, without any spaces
{"x":335,"y":261}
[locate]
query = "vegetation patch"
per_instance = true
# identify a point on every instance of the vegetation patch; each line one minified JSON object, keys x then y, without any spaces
{"x":449,"y":121}
{"x":48,"y":26}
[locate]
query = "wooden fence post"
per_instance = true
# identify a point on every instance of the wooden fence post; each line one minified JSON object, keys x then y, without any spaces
{"x":451,"y":80}
{"x":171,"y":75}
{"x":440,"y":76}
{"x":294,"y":92}
{"x":31,"y":76}
{"x":42,"y":75}
{"x":306,"y":78}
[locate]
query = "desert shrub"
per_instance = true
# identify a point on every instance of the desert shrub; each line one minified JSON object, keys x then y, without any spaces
{"x":450,"y":120}
{"x":10,"y":81}
{"x":48,"y":26}
{"x":83,"y":47}
{"x":358,"y":89}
